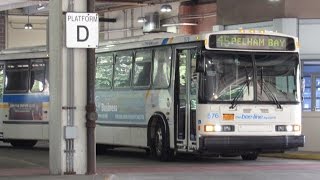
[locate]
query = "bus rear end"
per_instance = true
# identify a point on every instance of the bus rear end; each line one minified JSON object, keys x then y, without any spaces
{"x":25,"y":101}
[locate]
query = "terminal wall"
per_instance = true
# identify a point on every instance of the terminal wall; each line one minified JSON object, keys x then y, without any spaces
{"x":250,"y":11}
{"x":302,"y":8}
{"x":17,"y":36}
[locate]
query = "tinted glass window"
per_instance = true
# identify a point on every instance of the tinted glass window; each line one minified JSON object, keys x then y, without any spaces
{"x":38,"y":81}
{"x":142,"y":68}
{"x":123,"y":68}
{"x":162,"y":67}
{"x":104,"y":71}
{"x":17,"y":76}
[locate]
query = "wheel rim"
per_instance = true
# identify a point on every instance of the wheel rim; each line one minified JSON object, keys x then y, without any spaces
{"x":158,"y":142}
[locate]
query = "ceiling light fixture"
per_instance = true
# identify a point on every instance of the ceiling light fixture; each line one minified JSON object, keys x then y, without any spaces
{"x":166,"y":8}
{"x":40,"y":7}
{"x":28,"y":26}
{"x":180,"y":24}
{"x":141,"y":19}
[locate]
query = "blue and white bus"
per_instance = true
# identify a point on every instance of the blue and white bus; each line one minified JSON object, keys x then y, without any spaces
{"x":225,"y":93}
{"x":24,"y":96}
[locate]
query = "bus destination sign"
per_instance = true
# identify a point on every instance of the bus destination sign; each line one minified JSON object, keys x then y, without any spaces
{"x":251,"y":42}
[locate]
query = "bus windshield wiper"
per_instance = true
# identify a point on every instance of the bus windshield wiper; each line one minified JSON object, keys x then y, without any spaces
{"x":235,"y":99}
{"x":271,"y":95}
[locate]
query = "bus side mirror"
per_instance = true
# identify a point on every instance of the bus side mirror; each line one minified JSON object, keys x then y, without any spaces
{"x":200,"y":65}
{"x":303,"y":87}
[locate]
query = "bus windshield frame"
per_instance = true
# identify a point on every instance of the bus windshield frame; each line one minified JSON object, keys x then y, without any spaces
{"x":238,"y":76}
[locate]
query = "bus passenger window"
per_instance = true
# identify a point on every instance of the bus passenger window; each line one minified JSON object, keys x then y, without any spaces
{"x":38,"y":76}
{"x":122,"y":69}
{"x":142,"y":68}
{"x":17,"y":78}
{"x":104,"y":71}
{"x":162,"y":68}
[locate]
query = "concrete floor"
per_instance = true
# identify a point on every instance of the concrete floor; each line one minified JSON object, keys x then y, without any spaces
{"x":134,"y":164}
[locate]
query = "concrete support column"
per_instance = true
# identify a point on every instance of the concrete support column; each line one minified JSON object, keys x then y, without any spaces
{"x":287,"y":26}
{"x":67,"y":132}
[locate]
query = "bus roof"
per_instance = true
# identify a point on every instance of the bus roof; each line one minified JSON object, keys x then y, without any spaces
{"x":167,"y":38}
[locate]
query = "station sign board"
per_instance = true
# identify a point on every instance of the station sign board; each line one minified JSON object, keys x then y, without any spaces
{"x":82,"y":30}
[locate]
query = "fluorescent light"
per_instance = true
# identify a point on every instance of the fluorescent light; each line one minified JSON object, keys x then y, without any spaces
{"x":28,"y":26}
{"x":40,"y":7}
{"x":141,"y":20}
{"x":166,"y":8}
{"x":179,"y":24}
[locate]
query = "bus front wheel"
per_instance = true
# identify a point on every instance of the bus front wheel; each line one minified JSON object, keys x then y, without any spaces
{"x":250,"y":156}
{"x":160,"y":147}
{"x":23,"y":143}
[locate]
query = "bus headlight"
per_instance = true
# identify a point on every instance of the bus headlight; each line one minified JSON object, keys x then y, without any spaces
{"x":296,"y":128}
{"x":208,"y":128}
{"x":219,"y":128}
{"x":212,"y":128}
{"x":289,"y":128}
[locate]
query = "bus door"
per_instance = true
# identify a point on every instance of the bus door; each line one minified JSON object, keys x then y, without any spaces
{"x":186,"y":90}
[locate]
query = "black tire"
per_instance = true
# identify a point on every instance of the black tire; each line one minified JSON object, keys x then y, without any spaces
{"x":160,"y":147}
{"x":102,"y":148}
{"x":23,"y":143}
{"x":250,"y":156}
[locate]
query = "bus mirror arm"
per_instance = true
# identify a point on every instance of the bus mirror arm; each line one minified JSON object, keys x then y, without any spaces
{"x":200,"y":65}
{"x":303,"y":87}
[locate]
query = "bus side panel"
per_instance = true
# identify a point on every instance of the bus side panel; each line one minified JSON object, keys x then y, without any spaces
{"x":25,"y":131}
{"x":3,"y":116}
{"x":162,"y":101}
{"x":118,"y":112}
{"x":104,"y":134}
{"x":139,"y":136}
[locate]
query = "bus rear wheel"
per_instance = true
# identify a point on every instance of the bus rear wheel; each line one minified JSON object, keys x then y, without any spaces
{"x":250,"y":156}
{"x":160,"y":147}
{"x":23,"y":143}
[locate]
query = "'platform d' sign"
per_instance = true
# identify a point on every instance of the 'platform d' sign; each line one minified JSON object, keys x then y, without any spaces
{"x":82,"y":30}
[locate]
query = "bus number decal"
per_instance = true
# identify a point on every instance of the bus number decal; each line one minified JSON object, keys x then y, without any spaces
{"x":213,"y":115}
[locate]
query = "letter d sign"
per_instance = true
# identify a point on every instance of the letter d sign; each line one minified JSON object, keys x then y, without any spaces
{"x":84,"y":30}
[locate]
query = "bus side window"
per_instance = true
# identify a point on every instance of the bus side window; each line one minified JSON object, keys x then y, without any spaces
{"x":17,"y":76}
{"x":122,"y":69}
{"x":38,"y":76}
{"x":142,"y":68}
{"x":104,"y":71}
{"x":162,"y":67}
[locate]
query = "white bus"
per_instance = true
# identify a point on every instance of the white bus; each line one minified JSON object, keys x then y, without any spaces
{"x":24,"y":96}
{"x":225,"y":93}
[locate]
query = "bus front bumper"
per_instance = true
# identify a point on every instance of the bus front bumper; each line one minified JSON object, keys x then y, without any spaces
{"x":238,"y":144}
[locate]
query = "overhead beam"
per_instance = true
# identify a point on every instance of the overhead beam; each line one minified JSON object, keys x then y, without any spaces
{"x":18,"y":5}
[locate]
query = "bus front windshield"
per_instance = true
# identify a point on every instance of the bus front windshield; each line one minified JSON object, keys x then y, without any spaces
{"x":250,"y":77}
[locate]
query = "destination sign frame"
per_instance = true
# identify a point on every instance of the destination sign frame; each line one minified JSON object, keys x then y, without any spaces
{"x":251,"y":42}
